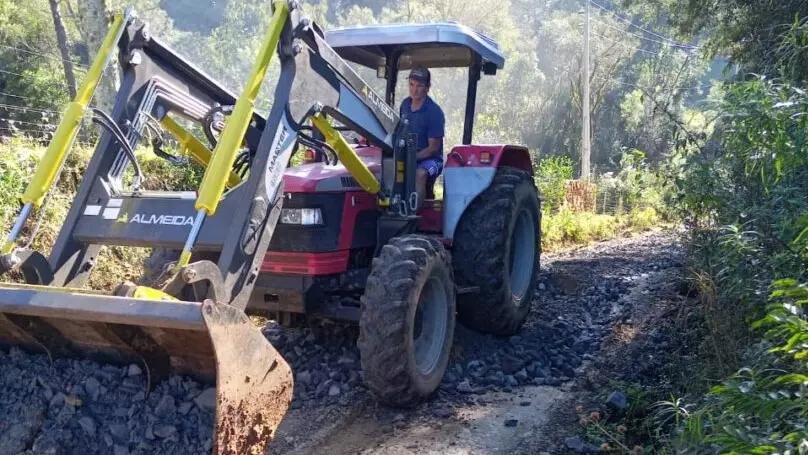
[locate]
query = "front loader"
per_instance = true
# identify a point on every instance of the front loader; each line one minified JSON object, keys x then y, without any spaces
{"x":190,"y":318}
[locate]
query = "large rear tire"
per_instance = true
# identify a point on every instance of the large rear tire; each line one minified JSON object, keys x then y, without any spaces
{"x":407,"y":321}
{"x":497,"y":248}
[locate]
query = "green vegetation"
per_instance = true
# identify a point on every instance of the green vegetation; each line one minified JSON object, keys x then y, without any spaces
{"x":741,"y":187}
{"x":18,"y":160}
{"x":671,"y":144}
{"x":535,"y":100}
{"x":629,"y":202}
{"x":568,"y":228}
{"x":551,"y":178}
{"x":744,"y":194}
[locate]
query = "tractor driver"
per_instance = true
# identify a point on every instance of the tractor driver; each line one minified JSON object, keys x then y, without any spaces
{"x":426,"y":121}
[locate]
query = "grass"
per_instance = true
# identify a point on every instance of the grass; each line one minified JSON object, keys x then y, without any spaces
{"x":567,"y":228}
{"x":18,"y":160}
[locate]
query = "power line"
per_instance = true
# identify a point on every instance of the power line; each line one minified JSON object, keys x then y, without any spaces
{"x":639,"y":49}
{"x":81,"y":66}
{"x":20,"y":97}
{"x":26,"y":75}
{"x":16,"y":96}
{"x":689,"y":48}
{"x":24,"y":108}
{"x":12,"y":73}
{"x":699,"y":85}
{"x":20,"y":130}
{"x":26,"y":123}
{"x":650,"y":32}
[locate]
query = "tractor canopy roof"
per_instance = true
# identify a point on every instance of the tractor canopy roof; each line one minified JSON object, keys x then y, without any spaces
{"x":434,"y":45}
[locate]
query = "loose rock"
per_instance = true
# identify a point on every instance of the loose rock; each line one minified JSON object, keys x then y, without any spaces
{"x":166,"y":406}
{"x":92,"y":386}
{"x":617,"y":400}
{"x":465,"y":387}
{"x":574,"y":443}
{"x":443,"y":412}
{"x":88,"y":425}
{"x":164,"y":431}
{"x":206,"y":399}
{"x":134,"y":370}
{"x":119,"y":432}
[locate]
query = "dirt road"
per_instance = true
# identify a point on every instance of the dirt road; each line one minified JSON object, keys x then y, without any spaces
{"x":500,"y":396}
{"x":587,"y":297}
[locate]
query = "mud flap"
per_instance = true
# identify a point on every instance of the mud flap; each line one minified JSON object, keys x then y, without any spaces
{"x":210,"y":342}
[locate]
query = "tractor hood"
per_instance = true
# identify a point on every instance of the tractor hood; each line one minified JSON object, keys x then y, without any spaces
{"x":322,"y":177}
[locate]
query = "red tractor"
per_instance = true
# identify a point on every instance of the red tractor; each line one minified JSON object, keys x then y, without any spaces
{"x":475,"y":253}
{"x":342,"y":237}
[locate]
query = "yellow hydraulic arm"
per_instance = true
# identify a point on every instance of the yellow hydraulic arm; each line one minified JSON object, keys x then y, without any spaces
{"x":48,"y":168}
{"x":218,"y":170}
{"x":193,"y":147}
{"x":346,"y":154}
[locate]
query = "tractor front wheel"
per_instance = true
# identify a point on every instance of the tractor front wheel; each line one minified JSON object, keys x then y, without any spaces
{"x":407,"y":320}
{"x":497,"y":248}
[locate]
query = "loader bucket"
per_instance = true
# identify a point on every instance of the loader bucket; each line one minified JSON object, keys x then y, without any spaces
{"x":211,"y":342}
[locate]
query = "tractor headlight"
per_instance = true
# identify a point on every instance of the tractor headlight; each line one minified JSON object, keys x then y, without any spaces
{"x":305,"y":217}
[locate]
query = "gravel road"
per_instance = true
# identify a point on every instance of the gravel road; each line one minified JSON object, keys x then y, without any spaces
{"x":495,"y":398}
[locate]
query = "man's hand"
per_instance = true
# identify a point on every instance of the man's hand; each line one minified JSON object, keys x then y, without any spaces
{"x":431,"y":149}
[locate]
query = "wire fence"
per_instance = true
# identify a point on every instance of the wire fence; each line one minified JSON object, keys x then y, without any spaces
{"x":602,"y":196}
{"x":611,"y":201}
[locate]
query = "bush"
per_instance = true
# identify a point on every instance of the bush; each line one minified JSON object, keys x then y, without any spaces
{"x":551,"y":178}
{"x":745,"y":196}
{"x":635,"y":186}
{"x":643,"y":219}
{"x":567,"y":228}
{"x":762,"y":407}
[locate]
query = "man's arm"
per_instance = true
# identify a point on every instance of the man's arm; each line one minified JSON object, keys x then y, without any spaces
{"x":431,"y":149}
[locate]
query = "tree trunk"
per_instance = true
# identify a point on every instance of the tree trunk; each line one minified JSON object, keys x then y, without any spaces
{"x":93,"y":25}
{"x":61,"y":39}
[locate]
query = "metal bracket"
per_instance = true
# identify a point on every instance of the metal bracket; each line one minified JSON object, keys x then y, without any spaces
{"x":198,"y":273}
{"x":34,"y":266}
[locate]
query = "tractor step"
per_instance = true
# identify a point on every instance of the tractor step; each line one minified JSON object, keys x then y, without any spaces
{"x":467,"y":289}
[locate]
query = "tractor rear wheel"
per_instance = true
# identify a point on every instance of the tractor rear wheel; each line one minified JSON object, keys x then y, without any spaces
{"x":497,"y":248}
{"x":407,"y":320}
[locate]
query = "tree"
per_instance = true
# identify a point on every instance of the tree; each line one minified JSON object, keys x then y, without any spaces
{"x":765,"y":37}
{"x":93,"y":25}
{"x":61,"y":39}
{"x":32,"y":75}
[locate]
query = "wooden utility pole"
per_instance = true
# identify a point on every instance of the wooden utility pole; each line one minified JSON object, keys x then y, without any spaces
{"x":585,"y":133}
{"x":61,"y":40}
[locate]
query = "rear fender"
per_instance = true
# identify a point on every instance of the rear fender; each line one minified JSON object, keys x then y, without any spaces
{"x":468,"y":172}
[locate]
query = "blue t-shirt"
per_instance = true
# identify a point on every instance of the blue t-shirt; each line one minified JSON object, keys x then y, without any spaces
{"x":428,"y":121}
